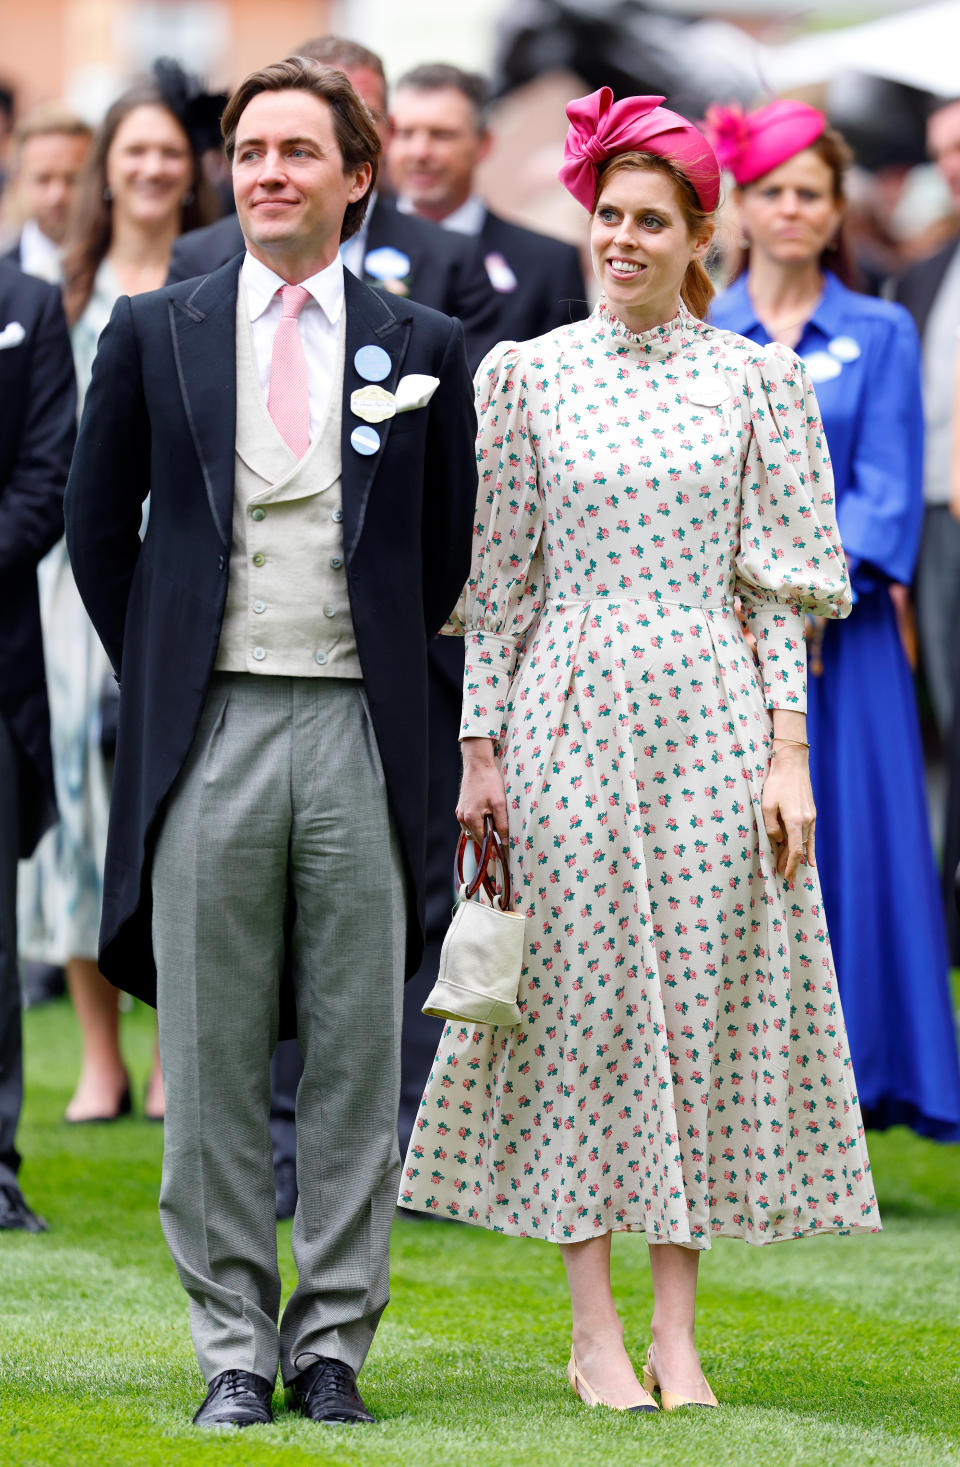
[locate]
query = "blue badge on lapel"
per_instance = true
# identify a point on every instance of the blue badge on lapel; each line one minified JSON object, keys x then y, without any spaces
{"x":372,"y":363}
{"x":365,"y":440}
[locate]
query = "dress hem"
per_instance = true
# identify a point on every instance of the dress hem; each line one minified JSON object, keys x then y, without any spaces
{"x":842,"y":1230}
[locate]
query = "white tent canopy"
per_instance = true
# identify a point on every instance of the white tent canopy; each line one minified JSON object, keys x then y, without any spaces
{"x":919,"y":47}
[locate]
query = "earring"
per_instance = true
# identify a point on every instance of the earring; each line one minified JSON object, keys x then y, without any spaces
{"x":107,"y":194}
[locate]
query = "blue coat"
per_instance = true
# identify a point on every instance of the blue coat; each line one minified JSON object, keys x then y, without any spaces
{"x":873,"y":841}
{"x":159,"y":418}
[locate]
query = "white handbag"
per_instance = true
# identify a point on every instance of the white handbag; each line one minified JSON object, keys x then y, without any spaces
{"x":482,"y":954}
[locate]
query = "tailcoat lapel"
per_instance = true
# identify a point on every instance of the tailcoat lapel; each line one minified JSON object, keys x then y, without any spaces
{"x":204,"y":330}
{"x":371,"y":321}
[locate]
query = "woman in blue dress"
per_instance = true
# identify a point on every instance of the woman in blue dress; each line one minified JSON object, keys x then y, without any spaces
{"x":873,"y":843}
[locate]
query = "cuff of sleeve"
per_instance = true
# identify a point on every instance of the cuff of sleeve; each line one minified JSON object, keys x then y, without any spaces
{"x":779,"y":628}
{"x":489,"y":663}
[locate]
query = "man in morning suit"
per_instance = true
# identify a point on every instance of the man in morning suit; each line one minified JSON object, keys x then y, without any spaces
{"x":439,"y":136}
{"x":440,"y":270}
{"x":392,"y":252}
{"x":931,"y":292}
{"x":307,"y":444}
{"x":38,"y":406}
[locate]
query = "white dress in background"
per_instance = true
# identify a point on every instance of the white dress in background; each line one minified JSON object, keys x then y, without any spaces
{"x":61,"y":886}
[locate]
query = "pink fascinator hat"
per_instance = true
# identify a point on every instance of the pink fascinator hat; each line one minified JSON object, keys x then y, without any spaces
{"x":750,"y":144}
{"x":600,"y":127}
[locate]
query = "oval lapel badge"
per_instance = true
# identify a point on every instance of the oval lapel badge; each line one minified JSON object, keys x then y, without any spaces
{"x":373,"y":404}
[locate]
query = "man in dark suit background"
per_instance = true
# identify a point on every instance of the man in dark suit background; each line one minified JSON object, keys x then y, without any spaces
{"x":50,"y":148}
{"x":308,"y":446}
{"x":403,"y":256}
{"x":38,"y":404}
{"x":931,"y":292}
{"x":439,"y":137}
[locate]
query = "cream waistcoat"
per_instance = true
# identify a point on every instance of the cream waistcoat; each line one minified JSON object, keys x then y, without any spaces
{"x":287,"y":610}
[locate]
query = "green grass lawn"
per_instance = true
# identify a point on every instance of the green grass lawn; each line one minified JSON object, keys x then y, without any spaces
{"x":827,"y":1351}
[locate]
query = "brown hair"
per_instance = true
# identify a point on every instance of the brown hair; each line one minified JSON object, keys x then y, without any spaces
{"x":91,"y":225}
{"x":50,"y":119}
{"x":833,"y":150}
{"x":353,"y":123}
{"x":436,"y":76}
{"x":696,"y":291}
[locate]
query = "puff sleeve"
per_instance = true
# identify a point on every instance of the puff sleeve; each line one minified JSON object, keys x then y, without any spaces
{"x":505,"y":592}
{"x":790,"y":561}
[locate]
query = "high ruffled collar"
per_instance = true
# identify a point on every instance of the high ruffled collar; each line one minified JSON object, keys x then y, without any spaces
{"x":668,"y":337}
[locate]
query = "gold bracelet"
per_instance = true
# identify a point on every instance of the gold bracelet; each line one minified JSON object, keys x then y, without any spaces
{"x":781,"y":739}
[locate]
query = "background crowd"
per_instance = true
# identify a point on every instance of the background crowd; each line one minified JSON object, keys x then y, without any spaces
{"x":142,"y":197}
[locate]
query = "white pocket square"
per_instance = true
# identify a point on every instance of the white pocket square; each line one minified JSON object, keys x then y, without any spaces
{"x":13,"y":333}
{"x":415,"y":391}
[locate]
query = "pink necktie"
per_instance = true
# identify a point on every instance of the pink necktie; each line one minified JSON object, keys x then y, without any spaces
{"x":288,"y":398}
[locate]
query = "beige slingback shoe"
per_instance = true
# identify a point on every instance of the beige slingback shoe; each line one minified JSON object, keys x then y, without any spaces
{"x":591,"y":1397}
{"x":668,"y":1400}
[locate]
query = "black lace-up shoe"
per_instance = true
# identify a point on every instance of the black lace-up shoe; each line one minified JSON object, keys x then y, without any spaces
{"x":236,"y":1398}
{"x":15,"y":1214}
{"x":327,"y":1392}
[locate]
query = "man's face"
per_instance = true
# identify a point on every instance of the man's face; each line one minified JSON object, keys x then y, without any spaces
{"x":434,"y":148}
{"x":943,"y":141}
{"x":48,"y":171}
{"x":288,"y":176}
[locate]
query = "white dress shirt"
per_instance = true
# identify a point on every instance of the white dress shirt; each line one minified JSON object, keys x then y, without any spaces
{"x":318,"y":325}
{"x":468,"y":219}
{"x":39,"y":255}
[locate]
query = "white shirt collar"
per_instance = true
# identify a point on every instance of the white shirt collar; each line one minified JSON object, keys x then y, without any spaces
{"x":261,"y":285}
{"x":468,"y":219}
{"x":38,"y":253}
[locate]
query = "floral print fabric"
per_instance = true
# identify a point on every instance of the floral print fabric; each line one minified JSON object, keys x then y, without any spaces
{"x":680,"y":1066}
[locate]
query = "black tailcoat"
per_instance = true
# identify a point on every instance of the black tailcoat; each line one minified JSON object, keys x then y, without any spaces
{"x":38,"y":417}
{"x":160,"y":417}
{"x":446,"y":270}
{"x":549,"y":290}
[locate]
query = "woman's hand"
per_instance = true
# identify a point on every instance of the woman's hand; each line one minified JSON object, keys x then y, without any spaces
{"x":481,"y":789}
{"x":789,"y":814}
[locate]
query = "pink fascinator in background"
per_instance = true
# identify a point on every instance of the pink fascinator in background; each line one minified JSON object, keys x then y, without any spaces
{"x":750,"y":144}
{"x":600,"y":127}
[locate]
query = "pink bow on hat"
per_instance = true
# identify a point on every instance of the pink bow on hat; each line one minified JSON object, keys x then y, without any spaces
{"x":600,"y":127}
{"x":751,"y":144}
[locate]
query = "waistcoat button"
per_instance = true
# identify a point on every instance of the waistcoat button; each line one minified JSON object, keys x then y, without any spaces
{"x":329,"y":611}
{"x":337,"y":516}
{"x":259,"y":558}
{"x":336,"y":561}
{"x":258,"y":514}
{"x":259,"y":606}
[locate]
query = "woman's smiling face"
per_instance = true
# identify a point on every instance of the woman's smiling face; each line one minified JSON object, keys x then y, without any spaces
{"x":641,"y":245}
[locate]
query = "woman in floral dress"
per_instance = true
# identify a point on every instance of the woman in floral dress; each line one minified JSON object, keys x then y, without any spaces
{"x":680,"y":1067}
